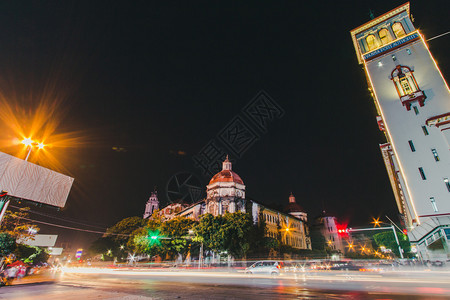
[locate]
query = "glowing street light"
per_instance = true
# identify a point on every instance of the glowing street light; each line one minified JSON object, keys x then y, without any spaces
{"x":376,"y":222}
{"x":29,"y":143}
{"x":351,"y":247}
{"x":32,"y":230}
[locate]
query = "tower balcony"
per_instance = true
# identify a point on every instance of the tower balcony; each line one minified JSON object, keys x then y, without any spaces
{"x":439,"y":120}
{"x":418,"y":96}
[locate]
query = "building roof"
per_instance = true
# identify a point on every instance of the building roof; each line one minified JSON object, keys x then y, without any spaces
{"x":226,"y":175}
{"x":293,"y":207}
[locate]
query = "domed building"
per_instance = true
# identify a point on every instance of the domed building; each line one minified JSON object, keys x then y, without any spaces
{"x":225,"y":191}
{"x":293,"y":208}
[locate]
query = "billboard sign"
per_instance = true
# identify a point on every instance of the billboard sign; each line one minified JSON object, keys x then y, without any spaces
{"x":55,"y":251}
{"x":29,"y":181}
{"x":40,"y":240}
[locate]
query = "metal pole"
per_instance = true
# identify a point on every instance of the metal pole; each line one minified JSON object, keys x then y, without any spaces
{"x":398,"y":243}
{"x":4,"y":202}
{"x":29,"y":151}
{"x":200,"y":257}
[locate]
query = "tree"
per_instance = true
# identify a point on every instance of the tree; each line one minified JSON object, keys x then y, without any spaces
{"x":237,"y":233}
{"x":16,"y":224}
{"x":168,"y":238}
{"x":103,"y":245}
{"x":230,"y":232}
{"x":209,"y":232}
{"x":7,"y":244}
{"x":176,"y":230}
{"x":31,"y":254}
{"x":122,"y":230}
{"x":317,"y":239}
{"x":387,"y":240}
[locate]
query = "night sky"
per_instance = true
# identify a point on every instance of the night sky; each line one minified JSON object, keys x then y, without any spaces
{"x":159,"y":80}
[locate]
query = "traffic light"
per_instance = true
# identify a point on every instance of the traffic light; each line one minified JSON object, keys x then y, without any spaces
{"x":342,"y":231}
{"x":153,"y":237}
{"x":405,"y":232}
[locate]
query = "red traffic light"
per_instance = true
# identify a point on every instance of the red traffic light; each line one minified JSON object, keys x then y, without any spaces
{"x":405,"y":232}
{"x":342,"y":231}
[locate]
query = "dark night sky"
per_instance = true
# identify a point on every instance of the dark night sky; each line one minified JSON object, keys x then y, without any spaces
{"x":158,"y":77}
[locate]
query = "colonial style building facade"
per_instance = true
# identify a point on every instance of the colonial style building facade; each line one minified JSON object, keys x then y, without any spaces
{"x":413,"y":104}
{"x":226,"y":193}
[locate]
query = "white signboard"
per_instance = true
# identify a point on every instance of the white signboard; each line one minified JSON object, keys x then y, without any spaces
{"x":40,"y":240}
{"x":29,"y":181}
{"x":55,"y":251}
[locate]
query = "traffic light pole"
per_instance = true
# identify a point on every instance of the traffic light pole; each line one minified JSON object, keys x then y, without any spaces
{"x":400,"y":250}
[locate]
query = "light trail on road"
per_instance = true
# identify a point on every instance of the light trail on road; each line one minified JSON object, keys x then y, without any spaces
{"x":419,"y":283}
{"x":87,"y":283}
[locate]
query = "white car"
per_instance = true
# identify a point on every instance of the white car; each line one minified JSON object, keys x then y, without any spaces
{"x":271,"y":267}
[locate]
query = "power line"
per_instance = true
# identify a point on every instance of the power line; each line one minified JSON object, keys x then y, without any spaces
{"x":73,"y":228}
{"x":50,"y":216}
{"x":438,"y":36}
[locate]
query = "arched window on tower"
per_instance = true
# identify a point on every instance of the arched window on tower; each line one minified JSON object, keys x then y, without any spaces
{"x":398,"y":30}
{"x":407,"y":87}
{"x":384,"y":36}
{"x":371,"y":42}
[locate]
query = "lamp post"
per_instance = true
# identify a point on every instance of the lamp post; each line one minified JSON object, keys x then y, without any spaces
{"x":29,"y":143}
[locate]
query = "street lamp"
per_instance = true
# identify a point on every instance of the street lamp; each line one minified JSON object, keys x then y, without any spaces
{"x":376,"y":222}
{"x":29,"y":143}
{"x":351,"y":247}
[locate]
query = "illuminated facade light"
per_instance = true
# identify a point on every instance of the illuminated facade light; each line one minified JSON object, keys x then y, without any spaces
{"x":415,"y":121}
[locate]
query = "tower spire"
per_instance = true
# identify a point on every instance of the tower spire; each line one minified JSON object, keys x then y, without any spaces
{"x":291,"y":198}
{"x":226,"y":165}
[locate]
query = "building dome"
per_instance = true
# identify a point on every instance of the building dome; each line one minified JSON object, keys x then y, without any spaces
{"x":226,"y":175}
{"x":293,"y":206}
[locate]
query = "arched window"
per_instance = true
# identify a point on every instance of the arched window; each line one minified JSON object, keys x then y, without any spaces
{"x":384,"y":36}
{"x":404,"y":80}
{"x":407,"y":87}
{"x":371,"y":42}
{"x":398,"y":30}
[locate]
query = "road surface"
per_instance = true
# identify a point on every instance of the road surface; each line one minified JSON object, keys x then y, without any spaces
{"x":90,"y":283}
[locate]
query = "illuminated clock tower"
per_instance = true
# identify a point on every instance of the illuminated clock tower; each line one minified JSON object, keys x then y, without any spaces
{"x":413,"y":104}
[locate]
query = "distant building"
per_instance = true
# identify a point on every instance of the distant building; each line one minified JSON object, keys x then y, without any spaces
{"x":152,"y":205}
{"x":413,"y":104}
{"x":328,"y":227}
{"x":172,"y":210}
{"x":226,"y":193}
{"x":290,"y":226}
